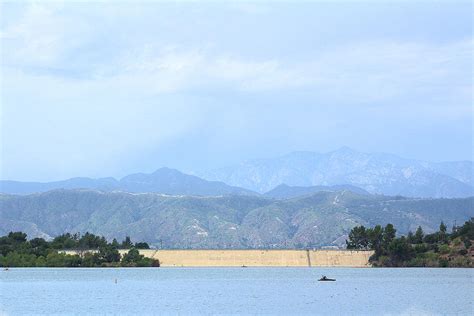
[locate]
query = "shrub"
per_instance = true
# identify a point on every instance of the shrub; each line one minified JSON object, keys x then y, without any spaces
{"x":443,"y":249}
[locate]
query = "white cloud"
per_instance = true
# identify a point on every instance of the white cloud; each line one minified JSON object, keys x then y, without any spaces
{"x":366,"y":72}
{"x":49,"y":40}
{"x":102,"y":81}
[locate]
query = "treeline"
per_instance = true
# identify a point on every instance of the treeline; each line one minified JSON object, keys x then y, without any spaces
{"x":17,"y":251}
{"x":439,"y":249}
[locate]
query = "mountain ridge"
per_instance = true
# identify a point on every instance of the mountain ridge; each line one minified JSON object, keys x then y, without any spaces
{"x":284,"y":191}
{"x":226,"y":222}
{"x":378,"y":173}
{"x":163,"y":180}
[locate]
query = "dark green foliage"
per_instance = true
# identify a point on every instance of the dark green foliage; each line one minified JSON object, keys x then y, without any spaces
{"x":39,"y":247}
{"x":418,"y":238}
{"x":388,"y":235}
{"x":55,"y":259}
{"x":442,"y":237}
{"x":127,"y":243}
{"x":366,"y":238}
{"x":134,"y":259}
{"x":65,"y":241}
{"x":108,"y":254}
{"x":467,"y":230}
{"x":142,"y":245}
{"x":115,"y":243}
{"x":358,"y":238}
{"x":439,"y":249}
{"x":442,"y":228}
{"x":431,"y":238}
{"x":400,"y":251}
{"x":17,"y":251}
{"x":91,"y":241}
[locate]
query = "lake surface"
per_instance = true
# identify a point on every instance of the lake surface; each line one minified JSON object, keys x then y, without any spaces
{"x":286,"y":291}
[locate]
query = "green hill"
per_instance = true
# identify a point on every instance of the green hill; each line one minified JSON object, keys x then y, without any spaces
{"x":321,"y":219}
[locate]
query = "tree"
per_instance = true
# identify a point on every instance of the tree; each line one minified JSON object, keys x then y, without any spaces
{"x":133,"y":256}
{"x":375,"y":237}
{"x":115,"y":243}
{"x":39,"y":246}
{"x":389,"y":233}
{"x":442,"y":228}
{"x":431,"y":238}
{"x":442,"y":232}
{"x":400,"y":251}
{"x":108,"y":254}
{"x":418,"y":239}
{"x":64,"y":241}
{"x":17,"y":237}
{"x":358,"y":238}
{"x":134,"y":259}
{"x":17,"y":251}
{"x":142,"y":245}
{"x":127,"y":243}
{"x":91,"y":241}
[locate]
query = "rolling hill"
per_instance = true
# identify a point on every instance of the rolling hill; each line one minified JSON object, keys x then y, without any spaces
{"x":234,"y":221}
{"x":284,"y":191}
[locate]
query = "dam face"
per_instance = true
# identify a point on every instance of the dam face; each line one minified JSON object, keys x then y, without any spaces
{"x":259,"y":258}
{"x":253,"y":258}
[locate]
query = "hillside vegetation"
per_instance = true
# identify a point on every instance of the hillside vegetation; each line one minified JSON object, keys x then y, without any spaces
{"x":438,"y":249}
{"x":223,"y":222}
{"x":17,"y":251}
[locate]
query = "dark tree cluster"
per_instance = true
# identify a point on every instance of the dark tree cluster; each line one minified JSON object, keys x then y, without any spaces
{"x":439,"y":249}
{"x":93,"y":251}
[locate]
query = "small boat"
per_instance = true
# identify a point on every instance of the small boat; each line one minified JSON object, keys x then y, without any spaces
{"x":325,"y":278}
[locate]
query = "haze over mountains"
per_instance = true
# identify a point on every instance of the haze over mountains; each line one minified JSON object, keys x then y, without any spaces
{"x":163,"y":180}
{"x":376,"y":173}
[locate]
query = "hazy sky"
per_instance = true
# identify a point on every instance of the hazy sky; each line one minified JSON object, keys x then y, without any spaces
{"x":101,"y":89}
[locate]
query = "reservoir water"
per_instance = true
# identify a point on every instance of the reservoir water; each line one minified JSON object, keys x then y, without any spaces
{"x":285,"y":291}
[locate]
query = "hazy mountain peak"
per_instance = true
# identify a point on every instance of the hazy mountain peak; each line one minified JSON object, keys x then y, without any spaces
{"x":166,"y":170}
{"x":376,"y":173}
{"x":164,"y":180}
{"x":345,"y":150}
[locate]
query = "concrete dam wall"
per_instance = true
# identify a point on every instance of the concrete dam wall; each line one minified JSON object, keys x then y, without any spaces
{"x":255,"y":258}
{"x":260,"y":258}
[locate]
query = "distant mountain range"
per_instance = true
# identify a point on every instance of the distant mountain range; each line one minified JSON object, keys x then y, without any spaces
{"x":376,"y":173}
{"x":164,"y":180}
{"x":297,"y":173}
{"x":314,"y":220}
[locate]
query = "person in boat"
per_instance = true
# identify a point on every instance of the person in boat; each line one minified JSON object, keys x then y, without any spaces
{"x":325,"y":278}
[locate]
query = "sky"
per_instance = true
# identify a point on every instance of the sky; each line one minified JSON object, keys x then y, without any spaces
{"x":107,"y":89}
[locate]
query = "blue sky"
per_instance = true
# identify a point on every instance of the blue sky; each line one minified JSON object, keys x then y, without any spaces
{"x":103,"y":89}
